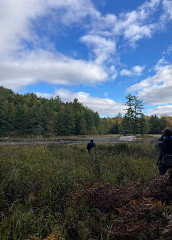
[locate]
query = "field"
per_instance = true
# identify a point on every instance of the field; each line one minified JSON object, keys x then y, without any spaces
{"x":61,"y":192}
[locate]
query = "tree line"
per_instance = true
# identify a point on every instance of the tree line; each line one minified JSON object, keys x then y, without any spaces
{"x":135,"y":122}
{"x":30,"y":115}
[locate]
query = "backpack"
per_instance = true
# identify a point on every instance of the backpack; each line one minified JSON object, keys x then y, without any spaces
{"x":166,"y":159}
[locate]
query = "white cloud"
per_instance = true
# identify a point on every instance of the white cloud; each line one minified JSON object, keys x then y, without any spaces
{"x":138,"y":70}
{"x":16,"y":18}
{"x":168,"y":50}
{"x":160,"y":63}
{"x":135,"y":32}
{"x":19,"y":67}
{"x":104,"y":106}
{"x":135,"y":71}
{"x":74,"y":10}
{"x":166,"y":15}
{"x":132,"y":25}
{"x":102,"y":47}
{"x":44,"y":66}
{"x":137,"y":24}
{"x":161,"y":111}
{"x":167,"y":5}
{"x":156,"y":89}
{"x":125,"y":72}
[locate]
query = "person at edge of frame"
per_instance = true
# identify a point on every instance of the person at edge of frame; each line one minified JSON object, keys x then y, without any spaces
{"x":164,"y":145}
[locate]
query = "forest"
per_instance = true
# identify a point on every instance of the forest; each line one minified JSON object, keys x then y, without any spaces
{"x":30,"y":115}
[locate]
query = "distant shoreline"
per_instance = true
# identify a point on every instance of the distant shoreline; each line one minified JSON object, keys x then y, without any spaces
{"x":73,"y":140}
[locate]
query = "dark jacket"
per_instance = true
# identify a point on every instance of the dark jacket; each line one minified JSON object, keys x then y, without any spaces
{"x":164,"y":145}
{"x":90,"y":145}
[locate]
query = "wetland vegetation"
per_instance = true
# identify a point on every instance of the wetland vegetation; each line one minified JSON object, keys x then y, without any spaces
{"x":62,"y":192}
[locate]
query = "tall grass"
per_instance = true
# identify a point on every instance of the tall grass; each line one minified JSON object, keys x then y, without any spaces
{"x":36,"y":183}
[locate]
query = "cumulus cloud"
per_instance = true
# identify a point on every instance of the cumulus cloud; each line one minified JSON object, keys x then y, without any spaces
{"x":14,"y":23}
{"x":102,"y":47}
{"x":16,"y":18}
{"x":135,"y":71}
{"x":167,"y":6}
{"x":134,"y":25}
{"x":72,"y":11}
{"x":22,"y":63}
{"x":104,"y":106}
{"x":44,"y":66}
{"x":131,"y":26}
{"x":125,"y":72}
{"x":156,"y":89}
{"x":161,"y":111}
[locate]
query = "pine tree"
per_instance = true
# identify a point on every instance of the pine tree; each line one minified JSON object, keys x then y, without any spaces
{"x":143,"y":125}
{"x":154,"y":124}
{"x":134,"y":110}
{"x":126,"y":125}
{"x":80,"y":123}
{"x":21,"y":119}
{"x":163,"y":123}
{"x":89,"y":117}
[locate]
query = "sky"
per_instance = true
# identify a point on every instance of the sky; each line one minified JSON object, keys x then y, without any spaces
{"x":97,"y":51}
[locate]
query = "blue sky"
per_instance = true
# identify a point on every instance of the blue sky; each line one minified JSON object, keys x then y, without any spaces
{"x":95,"y":50}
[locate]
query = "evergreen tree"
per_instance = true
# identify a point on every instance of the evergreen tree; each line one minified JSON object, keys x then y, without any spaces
{"x":126,"y":125}
{"x":80,"y":124}
{"x":97,"y":122}
{"x":35,"y":121}
{"x":143,"y":125}
{"x":5,"y":127}
{"x":21,"y":119}
{"x":163,"y":123}
{"x":89,"y":118}
{"x":134,"y":110}
{"x":103,"y":128}
{"x":29,"y":115}
{"x":66,"y":121}
{"x":154,"y":124}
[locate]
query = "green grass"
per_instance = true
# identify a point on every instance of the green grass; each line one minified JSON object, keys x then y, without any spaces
{"x":36,"y":183}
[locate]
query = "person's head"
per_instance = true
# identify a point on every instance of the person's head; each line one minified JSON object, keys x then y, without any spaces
{"x":167,"y":132}
{"x":91,"y":140}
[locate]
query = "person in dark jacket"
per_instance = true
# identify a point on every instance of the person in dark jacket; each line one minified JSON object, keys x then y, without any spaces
{"x":90,"y":145}
{"x":164,"y":146}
